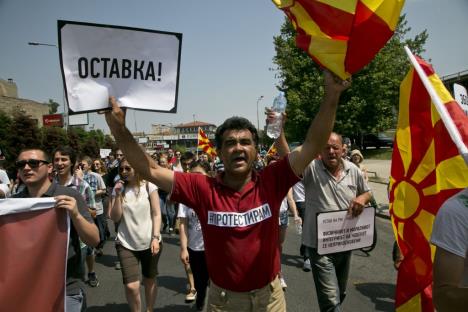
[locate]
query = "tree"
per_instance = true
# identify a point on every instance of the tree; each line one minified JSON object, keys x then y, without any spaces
{"x":53,"y":106}
{"x":5,"y":126}
{"x":53,"y":137}
{"x":22,"y":133}
{"x":371,"y":102}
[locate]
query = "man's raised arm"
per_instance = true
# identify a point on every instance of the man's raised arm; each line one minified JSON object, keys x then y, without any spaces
{"x":140,"y":161}
{"x":322,"y":125}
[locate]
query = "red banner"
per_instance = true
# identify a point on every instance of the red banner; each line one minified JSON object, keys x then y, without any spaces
{"x":53,"y":120}
{"x":33,"y":260}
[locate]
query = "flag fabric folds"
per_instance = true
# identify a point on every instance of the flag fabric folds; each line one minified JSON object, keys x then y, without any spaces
{"x":33,"y":257}
{"x":204,"y":143}
{"x":342,"y":36}
{"x":272,"y":151}
{"x":427,"y":169}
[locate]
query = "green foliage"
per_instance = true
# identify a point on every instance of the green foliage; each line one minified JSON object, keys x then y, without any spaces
{"x":5,"y":126}
{"x":370,"y":105}
{"x":22,"y":132}
{"x":53,"y":137}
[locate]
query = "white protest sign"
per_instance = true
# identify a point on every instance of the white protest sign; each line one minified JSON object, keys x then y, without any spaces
{"x":104,"y":152}
{"x":337,"y":232}
{"x":78,"y":119}
{"x":461,"y":96}
{"x":139,"y":67}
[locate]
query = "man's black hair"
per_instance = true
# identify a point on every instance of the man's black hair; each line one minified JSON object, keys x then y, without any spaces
{"x":34,"y":148}
{"x":186,"y":156}
{"x":235,"y":123}
{"x":202,"y":164}
{"x":67,"y":151}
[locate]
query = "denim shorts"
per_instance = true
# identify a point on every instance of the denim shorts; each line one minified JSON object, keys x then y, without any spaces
{"x":284,"y":219}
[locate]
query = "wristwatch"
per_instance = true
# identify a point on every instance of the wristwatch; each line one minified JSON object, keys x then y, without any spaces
{"x":157,"y":237}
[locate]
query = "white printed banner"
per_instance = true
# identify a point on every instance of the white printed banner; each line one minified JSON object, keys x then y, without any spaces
{"x":139,"y":67}
{"x":337,"y":231}
{"x":461,"y":96}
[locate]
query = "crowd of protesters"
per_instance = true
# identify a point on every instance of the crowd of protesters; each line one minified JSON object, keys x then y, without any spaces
{"x":229,"y":209}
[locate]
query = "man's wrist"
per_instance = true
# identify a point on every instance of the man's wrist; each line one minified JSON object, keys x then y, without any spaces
{"x":156,"y":237}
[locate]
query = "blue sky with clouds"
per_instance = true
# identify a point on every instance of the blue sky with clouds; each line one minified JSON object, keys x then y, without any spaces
{"x":227,"y":48}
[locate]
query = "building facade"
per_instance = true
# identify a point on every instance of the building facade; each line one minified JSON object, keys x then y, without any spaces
{"x":10,"y":103}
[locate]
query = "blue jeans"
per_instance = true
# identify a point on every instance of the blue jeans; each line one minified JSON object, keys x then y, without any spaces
{"x":330,"y":277}
{"x":76,"y":303}
{"x":167,"y":212}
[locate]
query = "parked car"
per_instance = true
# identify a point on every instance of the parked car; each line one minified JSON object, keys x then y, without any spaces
{"x":376,"y":140}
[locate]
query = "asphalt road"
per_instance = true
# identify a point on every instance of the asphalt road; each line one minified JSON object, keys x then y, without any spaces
{"x":371,"y":284}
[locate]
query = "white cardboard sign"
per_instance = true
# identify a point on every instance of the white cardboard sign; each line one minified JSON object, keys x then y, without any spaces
{"x":461,"y":96}
{"x":139,"y":67}
{"x":337,"y":232}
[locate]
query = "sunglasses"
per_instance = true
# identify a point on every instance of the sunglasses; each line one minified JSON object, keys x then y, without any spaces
{"x":32,"y":163}
{"x":125,"y":168}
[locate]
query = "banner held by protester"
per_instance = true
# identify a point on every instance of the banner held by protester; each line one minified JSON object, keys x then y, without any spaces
{"x":33,"y":240}
{"x":139,"y":67}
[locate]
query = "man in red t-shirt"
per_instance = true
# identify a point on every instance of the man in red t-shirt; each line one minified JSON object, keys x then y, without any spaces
{"x":239,"y":209}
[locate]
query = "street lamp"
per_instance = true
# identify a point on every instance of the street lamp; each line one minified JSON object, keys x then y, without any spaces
{"x":65,"y":107}
{"x":42,"y":44}
{"x":258,"y":122}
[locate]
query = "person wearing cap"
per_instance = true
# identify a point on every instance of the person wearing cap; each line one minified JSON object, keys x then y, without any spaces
{"x":357,"y":159}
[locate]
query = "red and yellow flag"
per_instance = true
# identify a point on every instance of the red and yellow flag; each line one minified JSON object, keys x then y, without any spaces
{"x":427,"y":169}
{"x":342,"y":36}
{"x":204,"y":143}
{"x":272,"y":151}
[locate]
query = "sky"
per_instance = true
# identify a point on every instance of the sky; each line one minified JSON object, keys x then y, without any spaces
{"x":227,"y":49}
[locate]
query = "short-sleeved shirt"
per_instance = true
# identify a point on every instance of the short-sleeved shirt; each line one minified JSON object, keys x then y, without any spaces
{"x":323,"y":192}
{"x":450,"y":229}
{"x":83,"y":188}
{"x":136,"y":225}
{"x":240,"y":228}
{"x":96,"y":183}
{"x":75,"y":269}
{"x":194,"y":231}
{"x":298,"y":192}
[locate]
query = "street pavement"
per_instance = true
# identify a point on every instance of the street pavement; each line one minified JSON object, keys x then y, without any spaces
{"x":371,"y":283}
{"x":379,"y":173}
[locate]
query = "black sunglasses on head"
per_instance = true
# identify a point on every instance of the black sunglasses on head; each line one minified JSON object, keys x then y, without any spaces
{"x":33,"y":163}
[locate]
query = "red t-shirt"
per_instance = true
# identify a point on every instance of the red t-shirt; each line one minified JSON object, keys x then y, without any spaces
{"x":240,"y":229}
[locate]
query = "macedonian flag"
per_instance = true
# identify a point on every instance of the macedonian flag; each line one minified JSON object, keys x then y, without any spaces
{"x":427,"y":169}
{"x":342,"y":35}
{"x":204,"y":143}
{"x":272,"y":151}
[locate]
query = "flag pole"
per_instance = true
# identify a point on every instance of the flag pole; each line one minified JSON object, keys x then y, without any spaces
{"x":198,"y":140}
{"x":444,"y":115}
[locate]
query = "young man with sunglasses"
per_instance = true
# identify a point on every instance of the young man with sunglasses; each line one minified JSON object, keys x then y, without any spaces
{"x":239,"y":209}
{"x":34,"y":168}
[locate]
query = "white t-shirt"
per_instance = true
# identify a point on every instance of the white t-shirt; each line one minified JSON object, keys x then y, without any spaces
{"x":136,"y":226}
{"x":4,"y":177}
{"x":298,"y":192}
{"x":284,"y":205}
{"x":194,"y":232}
{"x":450,"y":229}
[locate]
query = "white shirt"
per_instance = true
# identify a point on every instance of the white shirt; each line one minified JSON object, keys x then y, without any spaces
{"x":450,"y":229}
{"x":194,"y":232}
{"x":136,"y":226}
